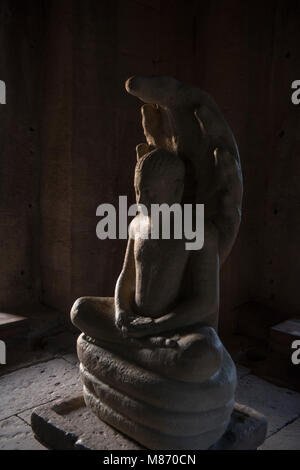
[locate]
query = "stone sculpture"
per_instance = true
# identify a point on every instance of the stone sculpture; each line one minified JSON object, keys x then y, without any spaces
{"x":152,"y":364}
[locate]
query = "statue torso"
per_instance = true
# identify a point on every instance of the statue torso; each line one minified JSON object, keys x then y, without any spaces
{"x":160,"y":268}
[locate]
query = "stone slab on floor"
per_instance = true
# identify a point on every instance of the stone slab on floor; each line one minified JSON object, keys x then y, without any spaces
{"x":17,"y":435}
{"x":72,"y":358}
{"x":288,"y":438}
{"x":32,"y":386}
{"x":26,"y":415}
{"x":280,"y":405}
{"x":68,"y":424}
{"x":8,"y":320}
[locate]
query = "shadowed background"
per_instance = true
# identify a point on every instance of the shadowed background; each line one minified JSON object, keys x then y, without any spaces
{"x":69,"y":129}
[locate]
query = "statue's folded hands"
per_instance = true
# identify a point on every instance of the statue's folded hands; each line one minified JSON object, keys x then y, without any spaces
{"x":123,"y":320}
{"x":185,"y":314}
{"x":129,"y":323}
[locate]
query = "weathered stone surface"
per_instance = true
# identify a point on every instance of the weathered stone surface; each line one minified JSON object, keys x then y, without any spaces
{"x":26,"y":415}
{"x":68,"y":424}
{"x":17,"y":435}
{"x":72,"y":358}
{"x":288,"y":438}
{"x":280,"y":405}
{"x":18,"y":358}
{"x":153,"y":409}
{"x":246,"y":430}
{"x":38,"y":384}
{"x":161,"y":392}
{"x":47,"y":336}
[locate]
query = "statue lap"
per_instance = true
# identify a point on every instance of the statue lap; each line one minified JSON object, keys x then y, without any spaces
{"x":196,"y":354}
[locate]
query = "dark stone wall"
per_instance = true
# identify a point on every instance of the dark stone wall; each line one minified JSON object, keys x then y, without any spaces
{"x":20,"y":35}
{"x":243,"y":53}
{"x":56,"y":183}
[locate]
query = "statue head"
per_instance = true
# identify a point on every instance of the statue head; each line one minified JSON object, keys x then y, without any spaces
{"x":159,"y":178}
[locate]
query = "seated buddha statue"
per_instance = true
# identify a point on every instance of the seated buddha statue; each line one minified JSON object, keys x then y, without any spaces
{"x":152,"y":364}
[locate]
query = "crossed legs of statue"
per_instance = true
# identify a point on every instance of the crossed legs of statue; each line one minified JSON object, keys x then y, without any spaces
{"x":189,"y":356}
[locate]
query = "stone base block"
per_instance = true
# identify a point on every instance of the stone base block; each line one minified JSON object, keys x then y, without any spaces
{"x":68,"y":424}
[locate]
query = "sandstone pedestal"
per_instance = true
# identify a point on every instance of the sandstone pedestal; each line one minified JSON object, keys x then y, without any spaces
{"x":68,"y":424}
{"x":156,"y":410}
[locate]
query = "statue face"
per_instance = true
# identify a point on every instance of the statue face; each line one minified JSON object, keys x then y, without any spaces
{"x":154,"y":189}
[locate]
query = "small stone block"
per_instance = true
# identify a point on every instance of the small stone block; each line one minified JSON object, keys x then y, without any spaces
{"x":246,"y":431}
{"x":8,"y":320}
{"x":67,"y":424}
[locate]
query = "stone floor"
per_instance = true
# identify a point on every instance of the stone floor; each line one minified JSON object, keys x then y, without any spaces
{"x":44,"y":380}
